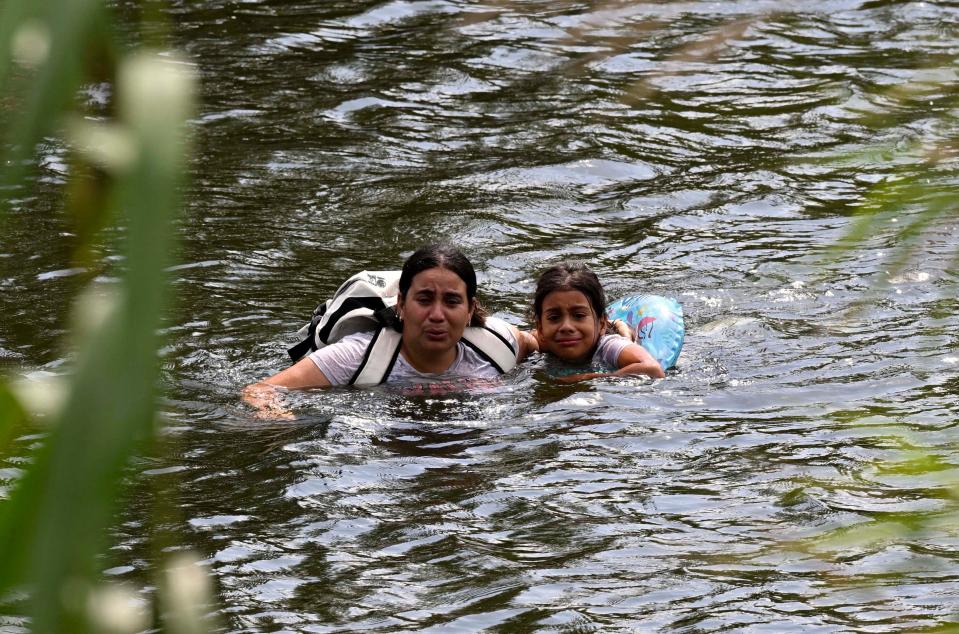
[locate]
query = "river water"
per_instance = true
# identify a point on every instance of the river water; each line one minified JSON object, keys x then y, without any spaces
{"x":709,"y":151}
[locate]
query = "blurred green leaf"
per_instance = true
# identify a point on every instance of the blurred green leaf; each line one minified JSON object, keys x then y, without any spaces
{"x":53,"y":525}
{"x":13,"y":13}
{"x":12,"y":417}
{"x":67,"y":28}
{"x":187,"y":592}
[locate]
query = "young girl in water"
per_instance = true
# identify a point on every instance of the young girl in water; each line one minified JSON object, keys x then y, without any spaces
{"x":569,"y":310}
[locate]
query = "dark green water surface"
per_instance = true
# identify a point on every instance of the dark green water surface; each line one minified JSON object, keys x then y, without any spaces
{"x":677,"y":147}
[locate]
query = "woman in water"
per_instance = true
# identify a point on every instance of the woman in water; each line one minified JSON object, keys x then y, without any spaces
{"x":436,"y":302}
{"x":569,"y":309}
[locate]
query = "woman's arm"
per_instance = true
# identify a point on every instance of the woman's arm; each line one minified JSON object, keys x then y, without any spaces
{"x":266,"y":396}
{"x":302,"y":375}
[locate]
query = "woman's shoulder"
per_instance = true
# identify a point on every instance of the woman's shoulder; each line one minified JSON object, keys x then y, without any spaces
{"x":471,"y":363}
{"x":347,"y":347}
{"x":364,"y":336}
{"x":503,"y":344}
{"x":339,"y":361}
{"x":501,"y":327}
{"x":357,"y":341}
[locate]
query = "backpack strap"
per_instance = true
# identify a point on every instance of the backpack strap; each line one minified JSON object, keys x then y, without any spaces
{"x":307,"y":334}
{"x":296,"y":352}
{"x":345,"y":316}
{"x":380,"y":357}
{"x":491,"y":342}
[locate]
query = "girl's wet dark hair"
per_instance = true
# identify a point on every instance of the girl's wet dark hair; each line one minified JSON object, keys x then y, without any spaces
{"x":446,"y":257}
{"x":570,"y":276}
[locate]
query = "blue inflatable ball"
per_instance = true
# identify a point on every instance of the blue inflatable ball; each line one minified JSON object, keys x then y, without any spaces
{"x":657,"y":322}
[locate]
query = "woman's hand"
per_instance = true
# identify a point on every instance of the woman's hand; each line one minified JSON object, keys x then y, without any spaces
{"x":267,"y":399}
{"x":267,"y":395}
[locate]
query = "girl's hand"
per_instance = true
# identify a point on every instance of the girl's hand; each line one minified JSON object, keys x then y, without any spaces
{"x":575,"y":378}
{"x":622,"y":329}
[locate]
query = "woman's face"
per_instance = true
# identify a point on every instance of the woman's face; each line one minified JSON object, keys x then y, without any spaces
{"x":568,"y":326}
{"x":435,"y":311}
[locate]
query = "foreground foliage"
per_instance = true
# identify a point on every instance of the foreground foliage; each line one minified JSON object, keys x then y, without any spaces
{"x":127,"y":170}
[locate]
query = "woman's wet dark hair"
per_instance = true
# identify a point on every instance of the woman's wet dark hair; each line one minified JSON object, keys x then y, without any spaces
{"x":447,"y":257}
{"x":570,"y":276}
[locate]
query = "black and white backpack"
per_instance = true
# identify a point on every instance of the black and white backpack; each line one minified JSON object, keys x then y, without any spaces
{"x":366,"y":303}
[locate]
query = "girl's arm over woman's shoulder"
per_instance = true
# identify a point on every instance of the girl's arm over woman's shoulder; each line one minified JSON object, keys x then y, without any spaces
{"x":526,"y":342}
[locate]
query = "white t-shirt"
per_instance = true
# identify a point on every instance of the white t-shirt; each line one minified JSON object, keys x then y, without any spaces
{"x":338,"y":362}
{"x":608,"y":350}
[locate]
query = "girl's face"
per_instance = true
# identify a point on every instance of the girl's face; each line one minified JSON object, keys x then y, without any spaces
{"x":568,"y":326}
{"x":435,"y":311}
